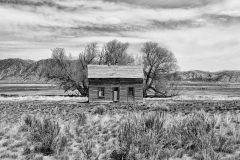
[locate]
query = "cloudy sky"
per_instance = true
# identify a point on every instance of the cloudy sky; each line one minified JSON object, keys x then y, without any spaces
{"x":203,"y":34}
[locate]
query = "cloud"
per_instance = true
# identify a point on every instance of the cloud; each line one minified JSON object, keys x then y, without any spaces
{"x":198,"y":32}
{"x":226,"y":7}
{"x":169,"y":3}
{"x":223,"y":20}
{"x":109,"y":20}
{"x":205,"y":48}
{"x":46,"y":21}
{"x":36,"y":3}
{"x":235,"y":13}
{"x":97,"y":12}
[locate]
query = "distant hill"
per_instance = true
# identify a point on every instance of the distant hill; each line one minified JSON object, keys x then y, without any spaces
{"x":34,"y":71}
{"x":13,"y":68}
{"x":28,"y":71}
{"x":221,"y":76}
{"x":22,"y":71}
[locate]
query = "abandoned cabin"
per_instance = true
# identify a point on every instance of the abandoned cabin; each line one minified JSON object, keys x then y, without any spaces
{"x":115,"y":83}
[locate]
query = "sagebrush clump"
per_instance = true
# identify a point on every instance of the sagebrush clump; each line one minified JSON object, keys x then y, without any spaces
{"x":44,"y":131}
{"x":159,"y":136}
{"x":99,"y":110}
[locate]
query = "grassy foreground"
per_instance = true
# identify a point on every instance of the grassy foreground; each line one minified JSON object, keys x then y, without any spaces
{"x":75,"y":133}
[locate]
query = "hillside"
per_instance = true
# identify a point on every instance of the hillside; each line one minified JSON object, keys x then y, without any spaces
{"x":34,"y":71}
{"x":12,"y":68}
{"x":22,"y":71}
{"x":221,"y":76}
{"x":28,"y":71}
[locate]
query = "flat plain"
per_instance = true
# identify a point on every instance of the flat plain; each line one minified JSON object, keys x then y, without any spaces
{"x":201,"y":127}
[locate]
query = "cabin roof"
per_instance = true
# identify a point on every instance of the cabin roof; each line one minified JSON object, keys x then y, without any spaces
{"x":105,"y":71}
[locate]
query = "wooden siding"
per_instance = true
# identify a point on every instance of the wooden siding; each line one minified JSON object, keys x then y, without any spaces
{"x":104,"y":71}
{"x":123,"y":85}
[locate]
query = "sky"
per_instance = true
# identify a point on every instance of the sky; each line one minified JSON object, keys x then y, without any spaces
{"x":202,"y":34}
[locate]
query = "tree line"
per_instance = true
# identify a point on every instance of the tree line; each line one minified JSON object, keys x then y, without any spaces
{"x":157,"y":62}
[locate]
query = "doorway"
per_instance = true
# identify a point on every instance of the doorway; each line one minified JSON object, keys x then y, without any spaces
{"x":115,"y":94}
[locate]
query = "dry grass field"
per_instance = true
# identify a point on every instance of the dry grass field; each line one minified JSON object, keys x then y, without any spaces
{"x":48,"y":131}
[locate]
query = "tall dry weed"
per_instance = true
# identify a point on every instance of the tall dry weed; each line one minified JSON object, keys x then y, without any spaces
{"x":44,"y":131}
{"x":159,"y":136}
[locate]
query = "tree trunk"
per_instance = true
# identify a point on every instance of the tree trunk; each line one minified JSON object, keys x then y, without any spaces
{"x":145,"y":89}
{"x":83,"y":91}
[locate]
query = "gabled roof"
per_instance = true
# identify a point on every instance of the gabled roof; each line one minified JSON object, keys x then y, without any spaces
{"x":105,"y":71}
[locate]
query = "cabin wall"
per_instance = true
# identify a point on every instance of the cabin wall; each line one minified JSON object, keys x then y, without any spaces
{"x":123,"y":85}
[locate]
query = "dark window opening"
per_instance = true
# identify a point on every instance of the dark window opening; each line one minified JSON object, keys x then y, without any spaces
{"x":131,"y":91}
{"x":101,"y":92}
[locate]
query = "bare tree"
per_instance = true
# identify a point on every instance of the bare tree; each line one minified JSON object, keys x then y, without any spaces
{"x":63,"y":73}
{"x":72,"y":74}
{"x":158,"y":63}
{"x":138,"y":60}
{"x":115,"y":53}
{"x":87,"y":57}
{"x":165,"y":87}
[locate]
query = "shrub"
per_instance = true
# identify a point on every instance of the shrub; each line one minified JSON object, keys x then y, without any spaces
{"x":39,"y":158}
{"x":2,"y":134}
{"x":99,"y":110}
{"x":5,"y":144}
{"x":17,"y":145}
{"x":46,"y":132}
{"x":5,"y":156}
{"x":195,"y":130}
{"x":118,"y":155}
{"x":26,"y":122}
{"x":26,"y":151}
{"x":87,"y":148}
{"x":81,"y":119}
{"x":157,"y":136}
{"x":141,"y":134}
